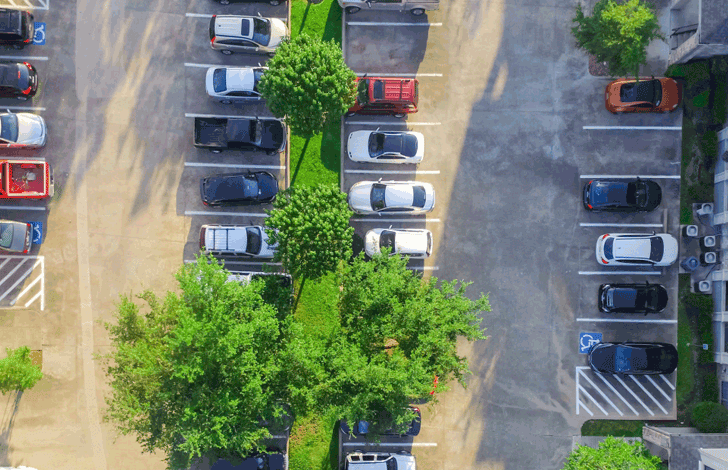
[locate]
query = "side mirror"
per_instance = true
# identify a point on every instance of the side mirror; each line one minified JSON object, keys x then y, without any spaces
{"x":369,"y":3}
{"x":377,"y":129}
{"x":379,"y":180}
{"x":259,"y":15}
{"x":390,"y":226}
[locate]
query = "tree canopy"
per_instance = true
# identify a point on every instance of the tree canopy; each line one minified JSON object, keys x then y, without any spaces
{"x":617,"y":33}
{"x":308,"y":83}
{"x":312,"y":229}
{"x":612,"y":454}
{"x":17,"y":371}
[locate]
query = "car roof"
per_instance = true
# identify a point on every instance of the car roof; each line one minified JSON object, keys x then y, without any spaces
{"x":632,"y":247}
{"x":240,"y":79}
{"x":10,"y":19}
{"x":8,"y":73}
{"x":410,"y":241}
{"x":234,"y":26}
{"x":397,"y":195}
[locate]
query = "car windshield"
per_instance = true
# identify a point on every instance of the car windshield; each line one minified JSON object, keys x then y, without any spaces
{"x":657,"y":247}
{"x":6,"y":235}
{"x":257,"y":75}
{"x":651,"y":299}
{"x":377,"y":196}
{"x":9,"y":127}
{"x":257,"y":131}
{"x":219,"y":80}
{"x":254,"y":240}
{"x":386,"y":239}
{"x":362,"y":92}
{"x":378,"y":90}
{"x":261,"y":31}
{"x":418,"y":196}
{"x":629,"y":359}
{"x":608,"y":248}
{"x":637,"y":194}
{"x":650,"y":91}
{"x":658,"y":359}
{"x":250,"y":187}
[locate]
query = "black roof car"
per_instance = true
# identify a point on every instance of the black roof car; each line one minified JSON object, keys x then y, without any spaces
{"x":621,"y":195}
{"x":271,"y":2}
{"x":276,"y":461}
{"x":18,"y":80}
{"x":17,"y":27}
{"x":632,"y":298}
{"x":362,"y":428}
{"x":633,"y":358}
{"x":256,"y":187}
{"x":392,"y":144}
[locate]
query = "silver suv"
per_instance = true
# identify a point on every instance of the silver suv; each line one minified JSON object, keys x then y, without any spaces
{"x":234,"y":33}
{"x":380,"y":461}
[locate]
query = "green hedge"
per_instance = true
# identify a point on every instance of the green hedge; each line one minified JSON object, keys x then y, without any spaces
{"x":709,"y":417}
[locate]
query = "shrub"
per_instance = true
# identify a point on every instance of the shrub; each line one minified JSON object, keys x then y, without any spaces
{"x":709,"y":417}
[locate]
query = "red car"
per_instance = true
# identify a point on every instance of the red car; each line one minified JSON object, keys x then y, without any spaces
{"x":648,"y":95}
{"x":375,"y":95}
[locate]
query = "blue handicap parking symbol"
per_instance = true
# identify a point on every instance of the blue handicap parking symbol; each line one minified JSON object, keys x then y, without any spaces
{"x":40,"y":34}
{"x":37,"y":232}
{"x":587,"y":340}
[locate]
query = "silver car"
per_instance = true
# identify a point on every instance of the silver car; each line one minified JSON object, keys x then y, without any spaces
{"x":234,"y":33}
{"x":391,"y":197}
{"x":22,"y":130}
{"x":228,"y":84}
{"x":413,"y":242}
{"x":15,"y":237}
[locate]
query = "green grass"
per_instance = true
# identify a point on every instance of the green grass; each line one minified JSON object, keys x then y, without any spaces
{"x":316,"y":308}
{"x":701,"y":100}
{"x":686,"y":373}
{"x":610,"y":427}
{"x":314,"y":443}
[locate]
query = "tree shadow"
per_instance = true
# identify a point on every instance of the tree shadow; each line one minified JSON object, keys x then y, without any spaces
{"x":8,"y":420}
{"x":300,"y":160}
{"x":298,"y":294}
{"x":305,"y":15}
{"x":331,"y":461}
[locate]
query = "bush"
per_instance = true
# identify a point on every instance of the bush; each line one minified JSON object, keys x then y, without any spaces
{"x":709,"y":417}
{"x":17,"y":371}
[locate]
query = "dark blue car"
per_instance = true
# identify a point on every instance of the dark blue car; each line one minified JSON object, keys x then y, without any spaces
{"x":633,"y":358}
{"x":621,"y":195}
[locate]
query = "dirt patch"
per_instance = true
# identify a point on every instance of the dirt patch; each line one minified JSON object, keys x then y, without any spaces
{"x":597,"y":69}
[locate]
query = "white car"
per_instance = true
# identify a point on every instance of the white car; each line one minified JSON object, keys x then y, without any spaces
{"x":398,"y":197}
{"x":228,"y":84}
{"x":235,"y":33}
{"x":386,"y":147}
{"x":236,"y":240}
{"x":636,"y":249}
{"x":415,"y":243}
{"x":19,"y":130}
{"x":380,"y":461}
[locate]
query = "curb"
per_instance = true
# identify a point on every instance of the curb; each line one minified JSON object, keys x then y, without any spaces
{"x":341,"y":133}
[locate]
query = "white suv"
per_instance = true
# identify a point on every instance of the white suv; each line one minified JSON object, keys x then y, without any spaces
{"x":380,"y":461}
{"x":228,"y":84}
{"x":231,"y":33}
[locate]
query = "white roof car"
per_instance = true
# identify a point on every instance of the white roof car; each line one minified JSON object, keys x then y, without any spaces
{"x":636,"y":249}
{"x":229,"y":84}
{"x":386,"y":147}
{"x":238,"y":240}
{"x":229,"y":33}
{"x":405,"y":197}
{"x":380,"y":461}
{"x":415,"y":243}
{"x":22,"y":130}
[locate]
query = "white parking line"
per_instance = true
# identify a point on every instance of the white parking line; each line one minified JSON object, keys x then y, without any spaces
{"x":22,"y":208}
{"x":632,"y":128}
{"x":205,"y":66}
{"x":618,"y":224}
{"x":189,"y":261}
{"x":583,"y":390}
{"x":654,"y":384}
{"x":23,"y":57}
{"x":394,"y":220}
{"x":417,"y":75}
{"x":611,"y":387}
{"x":648,"y":393}
{"x":425,"y":268}
{"x":617,"y":320}
{"x":224,"y":214}
{"x":667,"y":177}
{"x":667,"y":382}
{"x":633,"y":394}
{"x":603,"y":395}
{"x":231,"y":165}
{"x":391,"y":444}
{"x":24,"y":108}
{"x":217,"y":116}
{"x":367,"y":23}
{"x":619,"y":273}
{"x":403,"y":123}
{"x":397,"y":172}
{"x":198,"y":15}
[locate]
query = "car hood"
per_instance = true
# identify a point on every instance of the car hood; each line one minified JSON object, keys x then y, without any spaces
{"x":669,"y":256}
{"x":360,"y":197}
{"x":357,"y":146}
{"x":371,"y":242}
{"x":602,"y":357}
{"x":267,"y":249}
{"x":278,"y":31}
{"x":273,"y":136}
{"x":31,"y":129}
{"x":405,"y":462}
{"x":267,"y":185}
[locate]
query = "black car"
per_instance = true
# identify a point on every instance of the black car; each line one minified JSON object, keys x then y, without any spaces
{"x":362,"y":428}
{"x":17,"y":27}
{"x":237,"y":189}
{"x":18,"y":80}
{"x":275,"y":461}
{"x":632,"y":298}
{"x":633,"y":358}
{"x":228,"y":2}
{"x":623,"y":196}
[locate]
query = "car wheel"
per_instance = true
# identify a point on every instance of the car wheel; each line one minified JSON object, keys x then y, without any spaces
{"x":275,"y":3}
{"x":271,"y":152}
{"x":224,"y":2}
{"x":271,"y":54}
{"x":226,"y":52}
{"x":349,"y":114}
{"x":226,"y":102}
{"x":18,"y":46}
{"x":352,"y":10}
{"x":23,"y":98}
{"x":418,"y":11}
{"x":215,"y":151}
{"x":399,"y":115}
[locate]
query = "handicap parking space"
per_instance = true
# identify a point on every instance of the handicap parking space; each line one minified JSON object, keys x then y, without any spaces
{"x":22,"y":281}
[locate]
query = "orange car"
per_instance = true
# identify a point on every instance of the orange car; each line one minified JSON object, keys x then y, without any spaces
{"x":649,"y":95}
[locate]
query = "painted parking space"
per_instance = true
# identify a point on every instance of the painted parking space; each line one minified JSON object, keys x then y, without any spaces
{"x":26,"y":4}
{"x":22,"y":281}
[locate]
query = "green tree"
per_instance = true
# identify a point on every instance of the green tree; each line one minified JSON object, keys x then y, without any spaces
{"x":709,"y":417}
{"x":195,"y":373}
{"x":17,"y":371}
{"x":308,"y":83}
{"x":612,"y":454}
{"x":312,"y":229}
{"x":617,"y":33}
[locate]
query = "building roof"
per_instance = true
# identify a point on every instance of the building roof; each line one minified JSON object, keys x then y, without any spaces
{"x":714,"y":22}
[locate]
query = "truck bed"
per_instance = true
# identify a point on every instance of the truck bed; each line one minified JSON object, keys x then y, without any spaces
{"x":23,"y":179}
{"x":210,"y":132}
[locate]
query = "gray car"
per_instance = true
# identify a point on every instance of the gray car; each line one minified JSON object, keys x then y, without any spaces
{"x":235,"y":33}
{"x":15,"y":237}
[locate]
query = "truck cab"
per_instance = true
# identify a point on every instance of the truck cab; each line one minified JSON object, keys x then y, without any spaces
{"x":415,"y":7}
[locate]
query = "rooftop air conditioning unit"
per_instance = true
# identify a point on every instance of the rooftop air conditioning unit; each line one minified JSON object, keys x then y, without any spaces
{"x":690,"y":231}
{"x":704,"y":287}
{"x":709,"y":257}
{"x":690,"y":264}
{"x":707,"y":242}
{"x":706,"y":209}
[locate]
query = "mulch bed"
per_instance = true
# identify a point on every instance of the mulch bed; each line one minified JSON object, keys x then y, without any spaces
{"x":597,"y":69}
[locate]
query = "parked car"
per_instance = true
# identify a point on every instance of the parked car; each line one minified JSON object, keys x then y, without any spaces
{"x":15,"y":237}
{"x":254,"y":187}
{"x":274,"y":461}
{"x":621,"y":195}
{"x":362,"y":428}
{"x":246,"y":277}
{"x":233,"y":33}
{"x":636,"y":249}
{"x":246,"y":134}
{"x":632,"y":298}
{"x":17,"y":27}
{"x":228,"y":2}
{"x":386,"y":147}
{"x":415,"y":7}
{"x":633,"y":358}
{"x":18,"y":80}
{"x":380,"y":461}
{"x":234,"y":84}
{"x":378,"y":95}
{"x":412,"y":242}
{"x":21,"y":178}
{"x":236,"y":240}
{"x":18,"y":130}
{"x":378,"y":197}
{"x":648,"y":95}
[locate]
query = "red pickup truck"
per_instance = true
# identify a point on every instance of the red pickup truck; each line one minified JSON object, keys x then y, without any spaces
{"x":376,"y":95}
{"x":25,"y":179}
